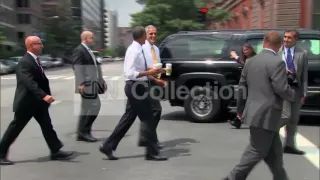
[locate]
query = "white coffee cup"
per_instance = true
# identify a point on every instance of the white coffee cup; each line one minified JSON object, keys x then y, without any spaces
{"x":168,"y":69}
{"x":157,"y":66}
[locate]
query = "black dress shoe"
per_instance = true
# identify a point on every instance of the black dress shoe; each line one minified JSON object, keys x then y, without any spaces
{"x":235,"y":122}
{"x":155,"y":158}
{"x":291,"y":150}
{"x":108,"y":153}
{"x":5,"y":162}
{"x":86,"y":138}
{"x":61,"y":155}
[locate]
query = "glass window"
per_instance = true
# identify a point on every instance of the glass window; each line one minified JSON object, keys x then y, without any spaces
{"x":195,"y":46}
{"x":256,"y":44}
{"x":312,"y":46}
{"x":24,"y":18}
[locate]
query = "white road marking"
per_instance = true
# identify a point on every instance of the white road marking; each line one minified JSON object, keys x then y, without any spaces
{"x":56,"y":102}
{"x":115,"y":78}
{"x":72,"y":77}
{"x":312,"y":151}
{"x":55,"y":77}
{"x":9,"y":77}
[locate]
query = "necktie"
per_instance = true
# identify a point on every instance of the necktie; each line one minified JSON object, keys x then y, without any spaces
{"x":38,"y":61}
{"x":290,"y":64}
{"x":154,"y":57}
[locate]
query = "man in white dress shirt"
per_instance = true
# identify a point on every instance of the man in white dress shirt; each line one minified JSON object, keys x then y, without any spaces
{"x":138,"y":77}
{"x":152,"y":55}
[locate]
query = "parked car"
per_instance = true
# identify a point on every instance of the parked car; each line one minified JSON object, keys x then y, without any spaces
{"x":46,"y":61}
{"x":202,"y":57}
{"x":15,"y":59}
{"x":7,"y":66}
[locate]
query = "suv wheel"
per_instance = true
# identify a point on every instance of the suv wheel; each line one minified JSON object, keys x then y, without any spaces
{"x":203,"y":105}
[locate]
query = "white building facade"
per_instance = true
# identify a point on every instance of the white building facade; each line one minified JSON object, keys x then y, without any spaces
{"x":111,"y":29}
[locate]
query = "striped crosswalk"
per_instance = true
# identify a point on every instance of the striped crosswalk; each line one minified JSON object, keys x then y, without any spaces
{"x":56,"y":77}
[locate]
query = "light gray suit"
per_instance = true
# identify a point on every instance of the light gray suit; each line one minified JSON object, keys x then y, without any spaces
{"x":301,"y":65}
{"x":265,"y":82}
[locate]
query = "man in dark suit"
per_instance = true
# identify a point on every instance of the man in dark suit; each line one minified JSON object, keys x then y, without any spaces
{"x":262,"y":88}
{"x":32,"y":99}
{"x":297,"y":65}
{"x":89,"y":84}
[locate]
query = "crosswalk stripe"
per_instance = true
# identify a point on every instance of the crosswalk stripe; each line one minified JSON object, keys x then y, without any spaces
{"x":115,"y":78}
{"x":72,"y":77}
{"x":55,"y":77}
{"x":112,"y":78}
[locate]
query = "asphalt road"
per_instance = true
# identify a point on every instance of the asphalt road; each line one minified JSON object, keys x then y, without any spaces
{"x":196,"y":151}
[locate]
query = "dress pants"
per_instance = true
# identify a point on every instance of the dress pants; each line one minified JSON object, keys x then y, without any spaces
{"x":136,"y":106}
{"x":264,"y":145}
{"x":156,"y":109}
{"x":90,"y":108}
{"x":21,"y":119}
{"x":292,"y":124}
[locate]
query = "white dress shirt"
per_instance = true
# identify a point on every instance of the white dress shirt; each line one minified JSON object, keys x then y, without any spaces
{"x":35,"y":59}
{"x":148,"y":53}
{"x":134,"y":63}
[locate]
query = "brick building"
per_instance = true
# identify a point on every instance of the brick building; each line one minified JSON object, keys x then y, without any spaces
{"x":258,"y":14}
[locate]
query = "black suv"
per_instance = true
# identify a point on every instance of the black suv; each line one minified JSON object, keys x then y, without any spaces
{"x":202,"y":66}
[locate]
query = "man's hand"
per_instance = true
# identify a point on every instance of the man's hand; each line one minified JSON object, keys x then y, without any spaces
{"x":239,"y":116}
{"x":81,"y":89}
{"x":49,"y":99}
{"x":160,"y":82}
{"x":153,"y":72}
{"x":303,"y":100}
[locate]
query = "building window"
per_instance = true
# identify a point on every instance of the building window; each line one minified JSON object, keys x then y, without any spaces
{"x":316,"y":15}
{"x":22,"y":3}
{"x":24,"y":18}
{"x":21,"y":35}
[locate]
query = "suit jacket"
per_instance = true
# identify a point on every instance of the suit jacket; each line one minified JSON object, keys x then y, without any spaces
{"x":262,"y":88}
{"x":301,"y":65}
{"x":86,"y":73}
{"x":32,"y":85}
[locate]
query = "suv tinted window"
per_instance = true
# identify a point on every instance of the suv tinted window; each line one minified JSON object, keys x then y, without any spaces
{"x":191,"y":47}
{"x":312,"y":46}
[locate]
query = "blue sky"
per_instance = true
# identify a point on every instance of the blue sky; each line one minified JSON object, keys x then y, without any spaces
{"x":124,"y":9}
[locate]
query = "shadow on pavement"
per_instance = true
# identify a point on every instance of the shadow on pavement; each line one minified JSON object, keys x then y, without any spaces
{"x":47,"y":159}
{"x":170,"y":149}
{"x":175,"y":116}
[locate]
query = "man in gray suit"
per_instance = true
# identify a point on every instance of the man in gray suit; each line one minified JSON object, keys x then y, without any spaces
{"x":297,"y":64}
{"x":262,"y":88}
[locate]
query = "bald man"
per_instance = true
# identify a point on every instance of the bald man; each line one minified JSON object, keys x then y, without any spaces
{"x":32,"y":99}
{"x":265,"y":81}
{"x":89,"y":83}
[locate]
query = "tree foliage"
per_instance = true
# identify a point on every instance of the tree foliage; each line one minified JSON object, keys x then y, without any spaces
{"x":168,"y":16}
{"x":171,"y":16}
{"x":61,"y":31}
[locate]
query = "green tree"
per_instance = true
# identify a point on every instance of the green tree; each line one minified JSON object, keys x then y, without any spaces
{"x":61,"y":34}
{"x":168,"y":16}
{"x":172,"y":16}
